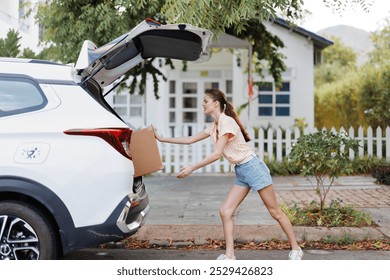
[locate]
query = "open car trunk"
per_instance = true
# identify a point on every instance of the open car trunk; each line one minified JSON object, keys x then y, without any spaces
{"x":147,"y":40}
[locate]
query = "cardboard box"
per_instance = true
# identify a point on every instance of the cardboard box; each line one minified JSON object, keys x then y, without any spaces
{"x":144,"y":152}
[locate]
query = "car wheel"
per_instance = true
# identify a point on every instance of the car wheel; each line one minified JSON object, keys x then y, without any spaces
{"x":25,"y":233}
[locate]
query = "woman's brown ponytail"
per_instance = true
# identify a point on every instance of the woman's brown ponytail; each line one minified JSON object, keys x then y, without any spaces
{"x":228,"y":108}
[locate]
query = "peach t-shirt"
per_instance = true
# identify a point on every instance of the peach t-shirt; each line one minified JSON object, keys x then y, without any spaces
{"x":236,"y":149}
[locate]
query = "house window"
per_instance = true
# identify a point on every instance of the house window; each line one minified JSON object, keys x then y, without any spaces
{"x":136,"y":105}
{"x":22,"y":15}
{"x":229,"y":90}
{"x":172,"y":102}
{"x":121,"y":105}
{"x":190,"y":102}
{"x":265,"y":111}
{"x":189,"y":88}
{"x":128,"y":105}
{"x":172,"y":107}
{"x":274,"y":102}
{"x":189,"y":117}
{"x":172,"y":87}
{"x":317,"y":57}
{"x":210,"y":85}
{"x":172,"y":117}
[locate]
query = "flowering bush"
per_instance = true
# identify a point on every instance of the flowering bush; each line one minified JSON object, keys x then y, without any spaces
{"x":323,"y":155}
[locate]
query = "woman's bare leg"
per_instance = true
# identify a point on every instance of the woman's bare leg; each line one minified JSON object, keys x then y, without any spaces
{"x":234,"y":198}
{"x":267,"y":194}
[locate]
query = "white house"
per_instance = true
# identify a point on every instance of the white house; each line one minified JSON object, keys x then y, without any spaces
{"x":13,"y":16}
{"x":179,"y":106}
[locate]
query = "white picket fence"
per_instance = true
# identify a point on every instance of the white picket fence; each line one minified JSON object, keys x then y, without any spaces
{"x":271,"y":144}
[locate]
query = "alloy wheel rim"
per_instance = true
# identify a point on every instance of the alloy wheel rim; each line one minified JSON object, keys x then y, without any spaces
{"x":18,"y":240}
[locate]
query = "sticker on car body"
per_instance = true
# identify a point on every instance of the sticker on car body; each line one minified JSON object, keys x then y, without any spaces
{"x":32,"y":153}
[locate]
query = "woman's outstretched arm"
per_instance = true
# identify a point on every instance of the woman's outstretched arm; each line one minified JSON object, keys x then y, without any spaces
{"x":215,"y":155}
{"x":183,"y":140}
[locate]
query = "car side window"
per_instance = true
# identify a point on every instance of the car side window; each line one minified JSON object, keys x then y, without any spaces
{"x":19,"y":95}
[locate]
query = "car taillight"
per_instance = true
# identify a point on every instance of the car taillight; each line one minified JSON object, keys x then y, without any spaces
{"x":119,"y":138}
{"x":152,"y":22}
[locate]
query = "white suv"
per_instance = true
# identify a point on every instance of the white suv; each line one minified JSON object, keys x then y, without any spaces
{"x":66,"y":175}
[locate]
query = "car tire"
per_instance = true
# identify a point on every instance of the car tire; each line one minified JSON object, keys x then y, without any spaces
{"x":26,"y":233}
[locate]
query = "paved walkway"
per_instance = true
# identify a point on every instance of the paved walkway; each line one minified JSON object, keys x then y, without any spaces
{"x":359,"y":191}
{"x":195,"y":202}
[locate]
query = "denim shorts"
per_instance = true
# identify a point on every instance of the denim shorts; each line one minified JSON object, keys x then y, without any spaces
{"x":253,"y":174}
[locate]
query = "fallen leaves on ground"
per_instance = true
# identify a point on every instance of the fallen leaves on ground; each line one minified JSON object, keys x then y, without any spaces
{"x":133,"y":244}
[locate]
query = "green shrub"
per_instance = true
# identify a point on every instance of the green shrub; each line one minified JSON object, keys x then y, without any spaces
{"x":281,"y":168}
{"x":335,"y":215}
{"x":359,"y":166}
{"x":365,"y":165}
{"x":382,"y":173}
{"x":325,"y":156}
{"x":337,"y":104}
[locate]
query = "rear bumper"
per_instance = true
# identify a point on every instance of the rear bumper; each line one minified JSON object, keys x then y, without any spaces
{"x":124,"y":221}
{"x":133,"y":217}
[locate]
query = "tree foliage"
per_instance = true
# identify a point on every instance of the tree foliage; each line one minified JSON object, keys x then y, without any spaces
{"x":67,"y":23}
{"x":335,"y":86}
{"x":339,"y":54}
{"x":338,"y":104}
{"x":375,"y":95}
{"x":375,"y":91}
{"x":224,"y":14}
{"x":338,"y":60}
{"x":347,"y":95}
{"x":381,"y":40}
{"x":340,"y":6}
{"x":10,"y":46}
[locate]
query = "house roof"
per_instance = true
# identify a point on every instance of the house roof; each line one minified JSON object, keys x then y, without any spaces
{"x":223,"y":40}
{"x":319,"y":41}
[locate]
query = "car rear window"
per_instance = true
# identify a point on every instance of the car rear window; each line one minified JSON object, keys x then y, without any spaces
{"x":19,"y":95}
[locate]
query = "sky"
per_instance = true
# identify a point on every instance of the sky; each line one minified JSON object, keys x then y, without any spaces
{"x":323,"y":17}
